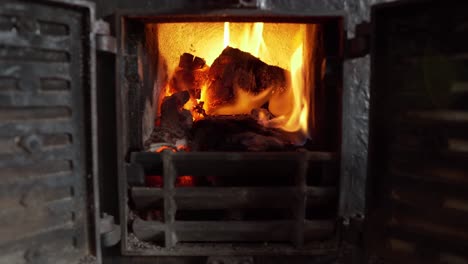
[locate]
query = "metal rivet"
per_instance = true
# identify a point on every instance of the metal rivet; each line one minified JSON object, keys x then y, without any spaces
{"x":31,"y":143}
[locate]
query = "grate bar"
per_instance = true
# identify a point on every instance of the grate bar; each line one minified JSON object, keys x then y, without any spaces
{"x":232,"y":197}
{"x":170,"y":174}
{"x":254,"y":163}
{"x":292,"y":197}
{"x":298,"y":239}
{"x":231,"y":231}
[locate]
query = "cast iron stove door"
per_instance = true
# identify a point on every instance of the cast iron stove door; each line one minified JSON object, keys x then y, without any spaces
{"x":418,"y":157}
{"x":46,"y":83}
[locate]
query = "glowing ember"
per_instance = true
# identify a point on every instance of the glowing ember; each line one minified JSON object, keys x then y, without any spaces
{"x":183,"y":148}
{"x":161,"y":149}
{"x":185,"y":181}
{"x":155,"y":181}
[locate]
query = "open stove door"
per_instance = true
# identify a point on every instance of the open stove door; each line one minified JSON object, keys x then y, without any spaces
{"x":417,"y":209}
{"x":47,"y":188}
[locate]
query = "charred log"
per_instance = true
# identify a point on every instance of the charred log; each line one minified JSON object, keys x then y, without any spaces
{"x":235,"y":69}
{"x":236,"y":133}
{"x":174,"y":123}
{"x":190,"y":75}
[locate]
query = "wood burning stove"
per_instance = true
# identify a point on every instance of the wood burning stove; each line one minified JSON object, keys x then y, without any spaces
{"x":253,"y":188}
{"x":212,"y":134}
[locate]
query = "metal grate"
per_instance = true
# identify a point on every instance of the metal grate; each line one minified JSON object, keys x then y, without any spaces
{"x":289,"y":197}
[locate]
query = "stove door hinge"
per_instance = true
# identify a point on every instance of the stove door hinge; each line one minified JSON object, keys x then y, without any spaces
{"x":359,"y":46}
{"x":110,"y":232}
{"x":352,"y":244}
{"x":353,"y":228}
{"x":104,"y":40}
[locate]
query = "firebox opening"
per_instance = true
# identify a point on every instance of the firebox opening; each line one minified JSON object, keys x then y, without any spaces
{"x":241,"y":86}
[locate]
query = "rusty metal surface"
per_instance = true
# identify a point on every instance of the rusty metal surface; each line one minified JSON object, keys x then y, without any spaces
{"x":45,"y":89}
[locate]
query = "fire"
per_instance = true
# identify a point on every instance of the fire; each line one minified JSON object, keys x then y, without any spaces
{"x":298,"y":118}
{"x":282,"y":45}
{"x":252,"y":39}
{"x":226,"y":34}
{"x":181,"y":181}
{"x":244,"y":103}
{"x":292,"y":117}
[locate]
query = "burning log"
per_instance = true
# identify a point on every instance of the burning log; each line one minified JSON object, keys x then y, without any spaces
{"x":236,"y":133}
{"x":233,"y":72}
{"x":235,"y":69}
{"x":191,"y":75}
{"x":175,"y":122}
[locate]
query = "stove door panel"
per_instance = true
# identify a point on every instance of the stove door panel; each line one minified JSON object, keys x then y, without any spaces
{"x":418,"y":153}
{"x":45,"y":91}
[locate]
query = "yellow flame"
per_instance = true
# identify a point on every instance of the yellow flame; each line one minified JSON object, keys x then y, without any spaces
{"x":297,"y":86}
{"x":203,"y":95}
{"x":291,"y":107}
{"x":262,"y":116}
{"x":252,"y":39}
{"x":244,"y":103}
{"x":226,"y":34}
